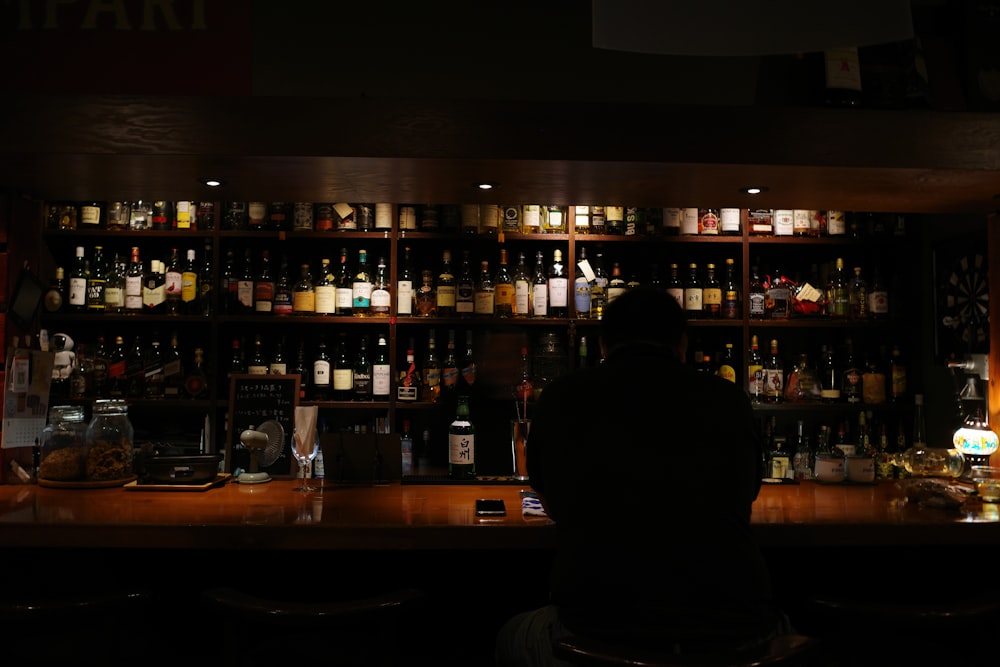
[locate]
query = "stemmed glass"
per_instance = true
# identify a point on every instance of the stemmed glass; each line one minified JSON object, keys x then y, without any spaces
{"x":304,"y":450}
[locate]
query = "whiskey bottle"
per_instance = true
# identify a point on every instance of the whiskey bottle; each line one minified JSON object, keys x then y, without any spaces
{"x":614,"y":219}
{"x":405,"y":286}
{"x":153,"y":371}
{"x":469,"y":367}
{"x":462,"y":443}
{"x":616,"y":284}
{"x":675,"y":286}
{"x":406,"y":449}
{"x":283,"y":305}
{"x":598,"y":288}
{"x":693,"y":293}
{"x":321,"y":375}
{"x":756,"y":296}
{"x":424,"y":298}
{"x":228,"y":285}
{"x":711,"y":298}
{"x":135,"y":370}
{"x":363,"y":390}
{"x":582,"y":275}
{"x":465,"y":289}
{"x":196,"y":382}
{"x":244,"y":285}
{"x":522,"y":288}
{"x":114,"y":289}
{"x":539,"y":289}
{"x":237,"y":362}
{"x":278,"y":365}
{"x":97,"y":282}
{"x":897,"y":376}
{"x":449,"y":367}
{"x":430,"y":389}
{"x":78,"y":283}
{"x":117,"y":375}
{"x":755,"y":372}
{"x":558,"y":286}
{"x":263,"y":285}
{"x":173,"y":370}
{"x":503,"y":289}
{"x":257,"y":364}
{"x":381,"y":371}
{"x":732,"y":304}
{"x":154,"y":289}
{"x":381,"y":297}
{"x":485,"y":293}
{"x":727,"y":364}
{"x":304,"y":294}
{"x":840,"y":296}
{"x":850,"y":376}
{"x":858,"y":296}
{"x":304,"y":370}
{"x":829,"y":375}
{"x":343,"y":372}
{"x":172,"y":284}
{"x":446,"y":289}
{"x":878,"y":297}
{"x":55,"y":296}
{"x":325,"y":290}
{"x":345,"y":289}
{"x":774,"y":375}
{"x":189,"y":285}
{"x":361,"y":287}
{"x":408,"y":386}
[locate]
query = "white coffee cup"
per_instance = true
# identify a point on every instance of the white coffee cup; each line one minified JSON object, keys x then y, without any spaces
{"x":829,"y":469}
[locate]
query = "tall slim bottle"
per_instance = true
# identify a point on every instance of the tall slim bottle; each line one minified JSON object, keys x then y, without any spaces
{"x":540,"y":289}
{"x":558,"y":286}
{"x":381,"y":298}
{"x":582,"y":275}
{"x":693,"y":292}
{"x":445,"y":289}
{"x":755,"y":372}
{"x":404,"y":285}
{"x":465,"y":289}
{"x":430,"y":390}
{"x":774,"y":375}
{"x":503,"y":289}
{"x":344,"y":290}
{"x":361,"y":287}
{"x":343,"y":372}
{"x":485,"y":293}
{"x":462,"y":443}
{"x":78,"y":283}
{"x":711,"y":294}
{"x":522,"y":288}
{"x":381,"y":371}
{"x":325,"y":290}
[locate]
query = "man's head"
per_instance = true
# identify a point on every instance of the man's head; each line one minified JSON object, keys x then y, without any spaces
{"x":646,"y":316}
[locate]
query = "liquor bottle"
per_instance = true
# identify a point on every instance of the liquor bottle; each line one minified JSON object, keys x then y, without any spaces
{"x":897,"y":376}
{"x":843,"y":77}
{"x":449,"y":367}
{"x":278,"y":364}
{"x":189,"y":284}
{"x":711,"y":296}
{"x":363,"y":371}
{"x":406,"y":449}
{"x":244,"y":285}
{"x":257,"y":215}
{"x":153,"y":372}
{"x":829,"y":375}
{"x":303,"y":293}
{"x":263,"y":285}
{"x":883,"y":455}
{"x":858,"y":297}
{"x":802,"y":458}
{"x":228,"y":285}
{"x":850,"y":376}
{"x":381,"y":371}
{"x":873,"y":381}
{"x":503,"y":289}
{"x":161,"y":215}
{"x":324,"y":291}
{"x":778,"y":302}
{"x":581,"y":220}
{"x":345,"y":287}
{"x":675,"y":286}
{"x":616,"y":284}
{"x":878,"y":297}
{"x":154,"y":289}
{"x":91,"y":215}
{"x":582,"y":353}
{"x":598,"y":220}
{"x":918,"y":436}
{"x":430,"y":388}
{"x":525,"y":388}
{"x":173,"y":369}
{"x":321,"y":375}
{"x":729,"y":222}
{"x":135,"y":370}
{"x":172,"y":284}
{"x":99,"y":370}
{"x":802,"y":384}
{"x":445,"y":289}
{"x":779,"y":460}
{"x":258,"y":363}
{"x":840,"y":296}
{"x":117,"y":375}
{"x":78,"y":283}
{"x":381,"y":297}
{"x":582,"y":275}
{"x":614,"y":219}
{"x":462,"y":443}
{"x":774,"y":375}
{"x":693,"y":293}
{"x":114,"y":289}
{"x":237,"y":362}
{"x":282,"y":303}
{"x":304,"y":370}
{"x":732,"y":304}
{"x":343,"y":372}
{"x":404,"y":285}
{"x":484,"y":291}
{"x":558,"y":286}
{"x":756,"y":296}
{"x":361,"y":287}
{"x":97,"y":282}
{"x":469,"y":367}
{"x":522,"y":288}
{"x":424,"y":298}
{"x":539,"y":289}
{"x":553,"y":220}
{"x":196,"y":382}
{"x":727,"y":364}
{"x":598,"y":288}
{"x":531,"y":219}
{"x":408,"y":386}
{"x":55,"y":296}
{"x":465,"y":289}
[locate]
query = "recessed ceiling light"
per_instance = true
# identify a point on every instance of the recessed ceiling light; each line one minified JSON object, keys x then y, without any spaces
{"x":754,"y":189}
{"x":486,"y":185}
{"x":211,"y":182}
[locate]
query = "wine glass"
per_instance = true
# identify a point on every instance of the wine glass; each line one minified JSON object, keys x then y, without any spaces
{"x":304,"y":450}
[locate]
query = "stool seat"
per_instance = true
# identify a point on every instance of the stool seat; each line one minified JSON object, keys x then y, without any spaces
{"x":785,"y":650}
{"x":315,"y":614}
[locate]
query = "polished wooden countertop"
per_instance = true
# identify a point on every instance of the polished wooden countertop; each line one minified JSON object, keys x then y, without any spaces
{"x":402,"y":516}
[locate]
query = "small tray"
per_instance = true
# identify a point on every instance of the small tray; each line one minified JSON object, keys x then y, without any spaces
{"x":219,"y":479}
{"x":86,"y":483}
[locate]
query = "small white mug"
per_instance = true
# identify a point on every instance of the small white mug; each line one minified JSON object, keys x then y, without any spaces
{"x":829,"y":469}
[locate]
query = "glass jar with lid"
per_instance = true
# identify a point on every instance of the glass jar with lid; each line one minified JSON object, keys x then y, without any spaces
{"x":63,"y":446}
{"x":109,"y":441}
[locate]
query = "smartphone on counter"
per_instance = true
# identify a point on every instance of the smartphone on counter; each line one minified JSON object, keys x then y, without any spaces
{"x":490,"y":507}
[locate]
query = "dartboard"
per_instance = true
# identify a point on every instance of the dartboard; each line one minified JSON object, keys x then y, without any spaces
{"x":965,"y":304}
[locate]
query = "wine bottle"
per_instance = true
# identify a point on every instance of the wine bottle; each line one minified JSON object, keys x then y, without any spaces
{"x":558,"y":286}
{"x":408,"y":387}
{"x":503,"y":289}
{"x":189,"y":284}
{"x":172,"y":284}
{"x":78,"y":283}
{"x":258,"y":363}
{"x":303,"y":293}
{"x":381,"y":371}
{"x":343,"y":372}
{"x":485,"y":292}
{"x":283,"y":290}
{"x":465,"y":289}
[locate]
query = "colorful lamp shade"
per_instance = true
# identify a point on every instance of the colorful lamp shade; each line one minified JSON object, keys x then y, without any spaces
{"x":975,"y":438}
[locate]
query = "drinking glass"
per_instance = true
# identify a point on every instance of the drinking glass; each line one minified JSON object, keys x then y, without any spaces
{"x":304,"y":450}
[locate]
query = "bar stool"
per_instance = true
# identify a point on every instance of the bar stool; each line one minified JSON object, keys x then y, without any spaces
{"x":260,"y":630}
{"x":784,"y":650}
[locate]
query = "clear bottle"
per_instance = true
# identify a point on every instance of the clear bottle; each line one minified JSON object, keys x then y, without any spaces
{"x":779,"y":460}
{"x":539,"y":289}
{"x":503,"y":289}
{"x":802,"y":459}
{"x":325,"y":290}
{"x":485,"y":293}
{"x":381,"y":298}
{"x":109,"y":441}
{"x":404,"y":285}
{"x":343,"y":372}
{"x":430,"y":389}
{"x":774,"y":375}
{"x":361,"y":287}
{"x":558,"y":282}
{"x":694,"y":293}
{"x":303,"y":293}
{"x":711,"y":296}
{"x":381,"y":371}
{"x":553,"y":220}
{"x":462,"y":443}
{"x":445,"y":289}
{"x":522,"y":288}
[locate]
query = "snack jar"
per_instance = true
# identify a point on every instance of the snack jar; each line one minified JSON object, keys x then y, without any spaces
{"x":63,"y":446}
{"x":109,"y":441}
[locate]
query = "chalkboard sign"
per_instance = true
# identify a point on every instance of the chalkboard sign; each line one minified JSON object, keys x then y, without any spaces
{"x":253,"y":400}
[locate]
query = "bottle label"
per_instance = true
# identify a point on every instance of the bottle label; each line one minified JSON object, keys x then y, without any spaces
{"x":446,"y":296}
{"x":404,"y":297}
{"x":345,"y":299}
{"x":729,"y":220}
{"x":324,"y":299}
{"x":283,"y":303}
{"x":539,"y":301}
{"x":114,"y":297}
{"x":708,"y":222}
{"x":755,"y":380}
{"x":321,"y":373}
{"x":531,"y":217}
{"x":78,"y":291}
{"x":557,"y":292}
{"x":774,"y":383}
{"x":581,"y":295}
{"x":381,"y":301}
{"x":835,"y":223}
{"x":878,"y":302}
{"x":304,"y":302}
{"x":381,"y":380}
{"x":361,"y":295}
{"x":461,"y":447}
{"x":693,"y":299}
{"x":90,"y":215}
{"x":343,"y":379}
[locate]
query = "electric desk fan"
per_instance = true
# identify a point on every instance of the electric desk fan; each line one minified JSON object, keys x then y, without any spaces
{"x":265,"y":444}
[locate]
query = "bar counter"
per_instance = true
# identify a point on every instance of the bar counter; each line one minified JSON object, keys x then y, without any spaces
{"x":413,"y":517}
